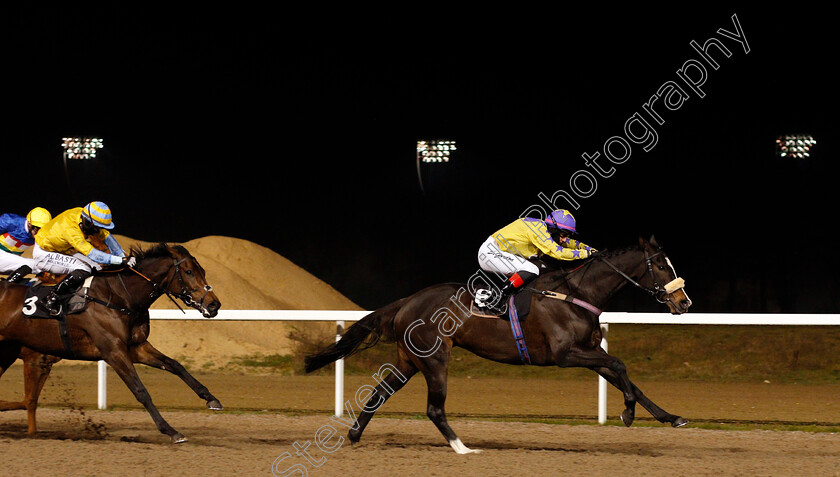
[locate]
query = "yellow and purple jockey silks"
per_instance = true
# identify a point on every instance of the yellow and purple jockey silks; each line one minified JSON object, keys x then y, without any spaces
{"x":527,"y":237}
{"x":562,"y":219}
{"x":62,"y":234}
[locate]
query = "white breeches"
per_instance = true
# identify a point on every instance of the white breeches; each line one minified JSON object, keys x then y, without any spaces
{"x":10,"y":262}
{"x":61,"y":264}
{"x":492,"y":259}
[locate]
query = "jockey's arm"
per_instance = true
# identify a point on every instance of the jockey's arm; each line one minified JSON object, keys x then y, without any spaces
{"x":559,"y":251}
{"x":578,"y":245}
{"x":543,"y":241}
{"x":103,"y":258}
{"x":77,"y":240}
{"x":114,"y":246}
{"x":6,"y":223}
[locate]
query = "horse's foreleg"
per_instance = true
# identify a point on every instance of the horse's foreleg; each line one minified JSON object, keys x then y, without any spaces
{"x":37,"y":368}
{"x":615,"y":372}
{"x":120,"y":361}
{"x":386,"y":388}
{"x":149,"y":355}
{"x":657,"y":412}
{"x":611,"y":368}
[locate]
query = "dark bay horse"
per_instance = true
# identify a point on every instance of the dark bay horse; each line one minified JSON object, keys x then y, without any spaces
{"x":427,"y":325}
{"x":114,"y":327}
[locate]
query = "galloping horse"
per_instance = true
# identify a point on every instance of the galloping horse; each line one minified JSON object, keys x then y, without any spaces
{"x":565,"y":332}
{"x":114,"y":327}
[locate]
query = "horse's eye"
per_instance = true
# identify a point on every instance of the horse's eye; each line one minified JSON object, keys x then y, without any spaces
{"x":188,"y":272}
{"x":662,"y":267}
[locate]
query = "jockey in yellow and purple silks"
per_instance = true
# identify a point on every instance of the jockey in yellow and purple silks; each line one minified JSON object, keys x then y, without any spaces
{"x":17,"y":234}
{"x":506,"y":251}
{"x":63,"y":247}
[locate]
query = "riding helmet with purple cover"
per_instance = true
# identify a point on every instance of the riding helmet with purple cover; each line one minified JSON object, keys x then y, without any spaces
{"x":561,"y":219}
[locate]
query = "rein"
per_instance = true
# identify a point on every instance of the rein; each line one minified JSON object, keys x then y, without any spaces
{"x":657,"y":292}
{"x":158,"y":290}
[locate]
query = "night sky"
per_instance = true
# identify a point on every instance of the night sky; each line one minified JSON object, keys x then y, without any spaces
{"x":297,"y":131}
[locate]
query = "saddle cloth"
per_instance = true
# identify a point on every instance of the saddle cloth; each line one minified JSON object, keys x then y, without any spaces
{"x":36,"y":295}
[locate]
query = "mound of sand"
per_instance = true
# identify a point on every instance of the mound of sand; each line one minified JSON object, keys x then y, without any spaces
{"x":245,"y":276}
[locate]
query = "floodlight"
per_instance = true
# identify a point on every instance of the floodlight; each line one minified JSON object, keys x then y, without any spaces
{"x":433,"y":151}
{"x":81,"y":147}
{"x":795,"y":145}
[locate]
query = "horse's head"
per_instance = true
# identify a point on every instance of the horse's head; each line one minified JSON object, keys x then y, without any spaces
{"x":180,"y":276}
{"x":661,"y":278}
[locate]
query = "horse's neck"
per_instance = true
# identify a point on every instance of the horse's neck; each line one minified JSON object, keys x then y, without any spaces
{"x":138,"y":287}
{"x":597,"y":282}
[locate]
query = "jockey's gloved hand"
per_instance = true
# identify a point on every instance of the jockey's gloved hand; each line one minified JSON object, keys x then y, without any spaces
{"x":129,"y":261}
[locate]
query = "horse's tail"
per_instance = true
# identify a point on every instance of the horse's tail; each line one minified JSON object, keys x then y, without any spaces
{"x":374,"y":325}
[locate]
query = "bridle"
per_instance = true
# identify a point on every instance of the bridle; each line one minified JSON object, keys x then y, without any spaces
{"x":184,"y":295}
{"x":659,"y":292}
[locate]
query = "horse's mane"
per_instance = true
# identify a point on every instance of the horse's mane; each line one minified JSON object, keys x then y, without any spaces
{"x":618,"y":251}
{"x":158,"y":250}
{"x":559,"y":270}
{"x":568,"y":266}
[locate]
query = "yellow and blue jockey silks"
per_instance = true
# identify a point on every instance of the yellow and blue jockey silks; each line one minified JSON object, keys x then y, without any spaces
{"x":14,"y":236}
{"x":528,"y":237}
{"x":63,"y":234}
{"x":100,"y":214}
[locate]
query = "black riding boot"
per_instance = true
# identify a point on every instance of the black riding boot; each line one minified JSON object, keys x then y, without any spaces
{"x":69,"y":285}
{"x":515,"y":282}
{"x":17,"y":275}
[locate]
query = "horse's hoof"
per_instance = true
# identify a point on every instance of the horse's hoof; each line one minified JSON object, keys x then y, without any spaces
{"x":215,"y":405}
{"x":679,"y":422}
{"x":627,"y":418}
{"x":179,"y":438}
{"x":460,"y":448}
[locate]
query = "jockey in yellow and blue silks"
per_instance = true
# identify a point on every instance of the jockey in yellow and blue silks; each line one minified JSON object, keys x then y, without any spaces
{"x":506,"y":251}
{"x":63,"y":247}
{"x":17,"y":234}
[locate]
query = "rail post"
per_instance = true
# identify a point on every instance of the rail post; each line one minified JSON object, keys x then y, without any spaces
{"x":602,"y":383}
{"x":102,"y":385}
{"x":339,"y":373}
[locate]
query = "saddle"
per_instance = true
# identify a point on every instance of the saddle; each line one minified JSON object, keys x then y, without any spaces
{"x":36,"y":295}
{"x":521,"y":303}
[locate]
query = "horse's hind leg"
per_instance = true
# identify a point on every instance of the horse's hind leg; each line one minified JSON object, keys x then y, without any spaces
{"x":435,"y":370}
{"x":37,"y":367}
{"x":396,"y":379}
{"x":147,"y":354}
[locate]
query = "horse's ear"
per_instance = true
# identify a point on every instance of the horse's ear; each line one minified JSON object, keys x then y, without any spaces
{"x":648,"y":244}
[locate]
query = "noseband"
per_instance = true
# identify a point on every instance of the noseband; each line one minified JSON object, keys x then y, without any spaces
{"x":186,"y":294}
{"x":659,"y":292}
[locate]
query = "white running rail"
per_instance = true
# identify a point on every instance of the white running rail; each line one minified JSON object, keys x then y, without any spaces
{"x":607,"y":318}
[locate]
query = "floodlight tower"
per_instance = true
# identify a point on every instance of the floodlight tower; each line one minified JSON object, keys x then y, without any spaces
{"x":795,"y":145}
{"x":433,"y":151}
{"x":83,"y":148}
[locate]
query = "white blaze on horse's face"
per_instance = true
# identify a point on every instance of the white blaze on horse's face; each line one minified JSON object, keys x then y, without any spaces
{"x":678,"y":300}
